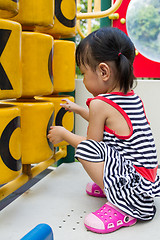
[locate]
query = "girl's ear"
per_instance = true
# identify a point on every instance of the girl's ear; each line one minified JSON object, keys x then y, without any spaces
{"x":104,"y":71}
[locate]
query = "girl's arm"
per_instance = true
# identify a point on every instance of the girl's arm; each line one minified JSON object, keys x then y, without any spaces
{"x":98,"y":115}
{"x":97,"y":118}
{"x":73,"y":107}
{"x":58,"y":134}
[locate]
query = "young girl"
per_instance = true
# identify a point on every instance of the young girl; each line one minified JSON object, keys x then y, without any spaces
{"x":118,"y":153}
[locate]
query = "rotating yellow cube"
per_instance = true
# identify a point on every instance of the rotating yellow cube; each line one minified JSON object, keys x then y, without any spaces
{"x":37,"y":56}
{"x":64,"y":66}
{"x":10,"y":143}
{"x":8,"y":8}
{"x":64,"y":19}
{"x":35,"y":13}
{"x":62,"y":117}
{"x":10,"y":59}
{"x":36,"y":118}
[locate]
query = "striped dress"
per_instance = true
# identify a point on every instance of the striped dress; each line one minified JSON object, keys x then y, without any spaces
{"x":130,"y":162}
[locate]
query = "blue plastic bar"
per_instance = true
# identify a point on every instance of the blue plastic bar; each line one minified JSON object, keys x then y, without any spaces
{"x":40,"y":232}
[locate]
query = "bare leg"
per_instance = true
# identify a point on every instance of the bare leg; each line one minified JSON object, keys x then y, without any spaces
{"x":94,"y":170}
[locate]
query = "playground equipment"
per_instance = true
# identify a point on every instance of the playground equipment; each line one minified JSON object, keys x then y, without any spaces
{"x":64,"y":20}
{"x":37,"y":63}
{"x":63,"y":117}
{"x":37,"y":55}
{"x":10,"y":49}
{"x":64,"y":53}
{"x":9,"y":8}
{"x":31,"y":14}
{"x":143,"y":66}
{"x":10,"y":150}
{"x":99,"y":14}
{"x":119,"y":15}
{"x":96,"y":14}
{"x":27,"y":69}
{"x":28,"y":61}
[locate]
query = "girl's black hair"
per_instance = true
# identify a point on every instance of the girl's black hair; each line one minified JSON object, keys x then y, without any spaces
{"x":109,"y":44}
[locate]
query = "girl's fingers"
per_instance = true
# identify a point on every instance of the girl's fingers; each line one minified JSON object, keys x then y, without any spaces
{"x":62,"y":104}
{"x":65,"y":99}
{"x":66,"y":106}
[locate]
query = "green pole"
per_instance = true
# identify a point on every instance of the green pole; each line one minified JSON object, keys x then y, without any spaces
{"x":105,"y":22}
{"x":70,"y":150}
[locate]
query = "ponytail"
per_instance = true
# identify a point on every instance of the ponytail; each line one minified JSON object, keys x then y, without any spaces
{"x":125,"y":72}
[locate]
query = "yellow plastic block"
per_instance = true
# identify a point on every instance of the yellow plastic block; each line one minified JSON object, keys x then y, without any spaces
{"x":36,"y":119}
{"x":8,"y":8}
{"x":64,"y":19}
{"x":64,"y":66}
{"x":10,"y":143}
{"x":10,"y":59}
{"x":62,"y":117}
{"x":35,"y":13}
{"x":37,"y":56}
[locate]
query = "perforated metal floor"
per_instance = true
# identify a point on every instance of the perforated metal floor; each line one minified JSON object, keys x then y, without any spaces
{"x":59,"y":199}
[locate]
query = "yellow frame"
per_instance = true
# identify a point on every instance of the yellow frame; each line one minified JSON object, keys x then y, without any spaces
{"x":29,"y":173}
{"x":98,"y":14}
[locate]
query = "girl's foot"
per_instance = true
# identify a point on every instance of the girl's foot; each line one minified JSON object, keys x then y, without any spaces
{"x":94,"y":190}
{"x":108,"y":219}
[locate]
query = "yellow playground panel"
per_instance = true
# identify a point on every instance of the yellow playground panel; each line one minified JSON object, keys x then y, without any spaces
{"x":10,"y":151}
{"x":64,"y":20}
{"x":35,"y":13}
{"x":8,"y":8}
{"x":36,"y":64}
{"x":64,"y":66}
{"x":62,"y":117}
{"x":36,"y":119}
{"x":10,"y":59}
{"x":37,"y":55}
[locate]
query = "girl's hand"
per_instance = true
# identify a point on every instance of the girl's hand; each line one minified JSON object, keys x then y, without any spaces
{"x":69,"y":105}
{"x":56,"y":134}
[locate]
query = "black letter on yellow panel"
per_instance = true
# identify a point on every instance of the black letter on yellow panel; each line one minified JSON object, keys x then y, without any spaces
{"x":59,"y":117}
{"x":6,"y":156}
{"x":50,"y":123}
{"x":61,"y":18}
{"x":4,"y":81}
{"x":15,"y":0}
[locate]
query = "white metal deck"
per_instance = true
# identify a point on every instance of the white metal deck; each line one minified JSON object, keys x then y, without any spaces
{"x":59,"y":199}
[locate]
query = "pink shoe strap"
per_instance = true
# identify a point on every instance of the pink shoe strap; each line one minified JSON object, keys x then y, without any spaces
{"x":94,"y":190}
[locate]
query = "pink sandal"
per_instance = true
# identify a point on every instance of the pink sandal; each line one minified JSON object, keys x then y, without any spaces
{"x":108,"y":219}
{"x":94,"y":190}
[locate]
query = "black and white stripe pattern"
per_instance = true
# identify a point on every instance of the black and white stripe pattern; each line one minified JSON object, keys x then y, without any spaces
{"x":124,"y":187}
{"x":140,"y":147}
